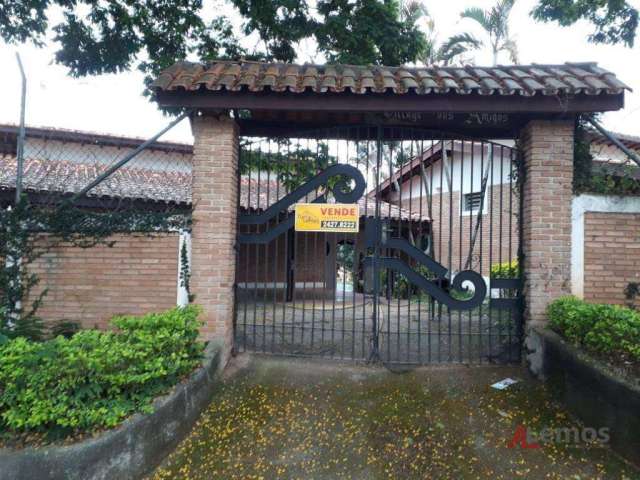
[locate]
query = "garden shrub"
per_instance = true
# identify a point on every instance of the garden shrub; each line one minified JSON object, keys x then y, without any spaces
{"x":571,"y":317}
{"x":95,"y":379}
{"x":609,"y":330}
{"x":505,"y":270}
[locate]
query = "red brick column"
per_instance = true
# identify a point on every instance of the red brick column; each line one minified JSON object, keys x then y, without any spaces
{"x":214,"y":191}
{"x":547,"y":148}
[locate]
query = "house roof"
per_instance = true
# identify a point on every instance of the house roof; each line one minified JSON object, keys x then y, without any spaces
{"x":630,"y":141}
{"x":92,"y":138}
{"x":144,"y":184}
{"x":258,"y":195}
{"x":433,"y":154}
{"x":66,"y":177}
{"x":523,"y":80}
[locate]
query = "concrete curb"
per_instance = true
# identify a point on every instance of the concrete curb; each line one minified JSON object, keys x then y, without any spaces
{"x":592,"y":393}
{"x":131,"y":450}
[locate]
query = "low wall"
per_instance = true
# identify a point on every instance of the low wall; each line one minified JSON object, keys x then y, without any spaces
{"x":130,"y":451}
{"x":138,"y":275}
{"x":590,"y":392}
{"x":605,"y":247}
{"x":611,"y":255}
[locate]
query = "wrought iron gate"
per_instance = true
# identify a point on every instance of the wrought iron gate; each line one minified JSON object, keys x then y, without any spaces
{"x":433,"y":274}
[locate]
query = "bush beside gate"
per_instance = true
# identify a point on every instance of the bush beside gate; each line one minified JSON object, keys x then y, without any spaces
{"x":95,"y":379}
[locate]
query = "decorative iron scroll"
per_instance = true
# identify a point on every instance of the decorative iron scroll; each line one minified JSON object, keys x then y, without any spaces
{"x":342,"y":192}
{"x":376,"y":238}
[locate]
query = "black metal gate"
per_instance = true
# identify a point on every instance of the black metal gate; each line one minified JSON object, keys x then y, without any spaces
{"x":432,"y":275}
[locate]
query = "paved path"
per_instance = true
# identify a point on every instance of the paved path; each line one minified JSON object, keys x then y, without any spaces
{"x":408,"y":332}
{"x":277,"y":418}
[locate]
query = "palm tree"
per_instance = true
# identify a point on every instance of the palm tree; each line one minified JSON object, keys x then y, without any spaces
{"x":436,"y":53}
{"x":495,"y":22}
{"x":412,"y":11}
{"x":451,"y":50}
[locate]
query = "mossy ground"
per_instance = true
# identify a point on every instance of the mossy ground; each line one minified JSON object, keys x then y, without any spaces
{"x":297,"y":419}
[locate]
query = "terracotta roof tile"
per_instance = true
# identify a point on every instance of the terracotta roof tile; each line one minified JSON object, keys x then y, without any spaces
{"x":70,"y":177}
{"x":165,"y":186}
{"x":258,"y":195}
{"x":527,"y":80}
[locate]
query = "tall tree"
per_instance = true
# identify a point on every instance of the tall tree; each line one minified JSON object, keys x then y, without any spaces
{"x":495,"y":23}
{"x":615,"y":21}
{"x":116,"y":35}
{"x":451,"y":50}
{"x":280,"y":24}
{"x":368,"y":32}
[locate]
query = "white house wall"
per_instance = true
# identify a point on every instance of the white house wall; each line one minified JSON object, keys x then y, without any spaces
{"x":467,"y":176}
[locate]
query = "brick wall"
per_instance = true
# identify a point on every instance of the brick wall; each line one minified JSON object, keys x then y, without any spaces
{"x":497,"y":239}
{"x":90,"y":285}
{"x":215,"y":208}
{"x":611,"y":255}
{"x":547,"y":148}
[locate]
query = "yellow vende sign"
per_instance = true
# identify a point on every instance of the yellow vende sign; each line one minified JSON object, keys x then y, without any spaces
{"x":327,"y":217}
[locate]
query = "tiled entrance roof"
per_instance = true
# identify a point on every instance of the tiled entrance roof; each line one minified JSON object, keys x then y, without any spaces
{"x":525,"y":80}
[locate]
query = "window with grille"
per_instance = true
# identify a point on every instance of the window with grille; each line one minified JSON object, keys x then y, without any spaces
{"x":472,"y":201}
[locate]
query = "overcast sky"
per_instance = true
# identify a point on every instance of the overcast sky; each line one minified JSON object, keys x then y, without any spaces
{"x":114,"y":103}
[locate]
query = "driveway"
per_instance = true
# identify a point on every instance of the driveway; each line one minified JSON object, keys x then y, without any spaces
{"x":290,"y":418}
{"x":408,"y":332}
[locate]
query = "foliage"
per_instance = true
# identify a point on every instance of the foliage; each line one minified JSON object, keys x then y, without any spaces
{"x":505,"y":270}
{"x":291,"y":164}
{"x":615,"y":21}
{"x":587,"y":180}
{"x":495,"y":22}
{"x":185,"y":271}
{"x":96,"y":379}
{"x":279,"y":24}
{"x":609,"y":330}
{"x":631,"y":293}
{"x":345,"y":256}
{"x":28,"y":231}
{"x":107,"y":37}
{"x":402,"y":287}
{"x":619,"y":184}
{"x":65,"y":328}
{"x":451,"y":49}
{"x":365,"y":32}
{"x":571,"y":317}
{"x":582,"y":158}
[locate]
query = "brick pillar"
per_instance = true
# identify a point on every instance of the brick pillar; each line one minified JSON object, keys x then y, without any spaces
{"x":214,"y":192}
{"x":547,"y":148}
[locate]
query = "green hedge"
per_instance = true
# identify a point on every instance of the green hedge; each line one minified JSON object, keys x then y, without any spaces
{"x":95,"y":379}
{"x":609,"y":330}
{"x":505,"y":270}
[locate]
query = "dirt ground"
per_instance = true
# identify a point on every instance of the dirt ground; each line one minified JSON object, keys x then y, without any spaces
{"x":279,"y":418}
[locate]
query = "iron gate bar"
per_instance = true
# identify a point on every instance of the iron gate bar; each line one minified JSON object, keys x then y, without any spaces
{"x":341,"y":194}
{"x":304,"y":316}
